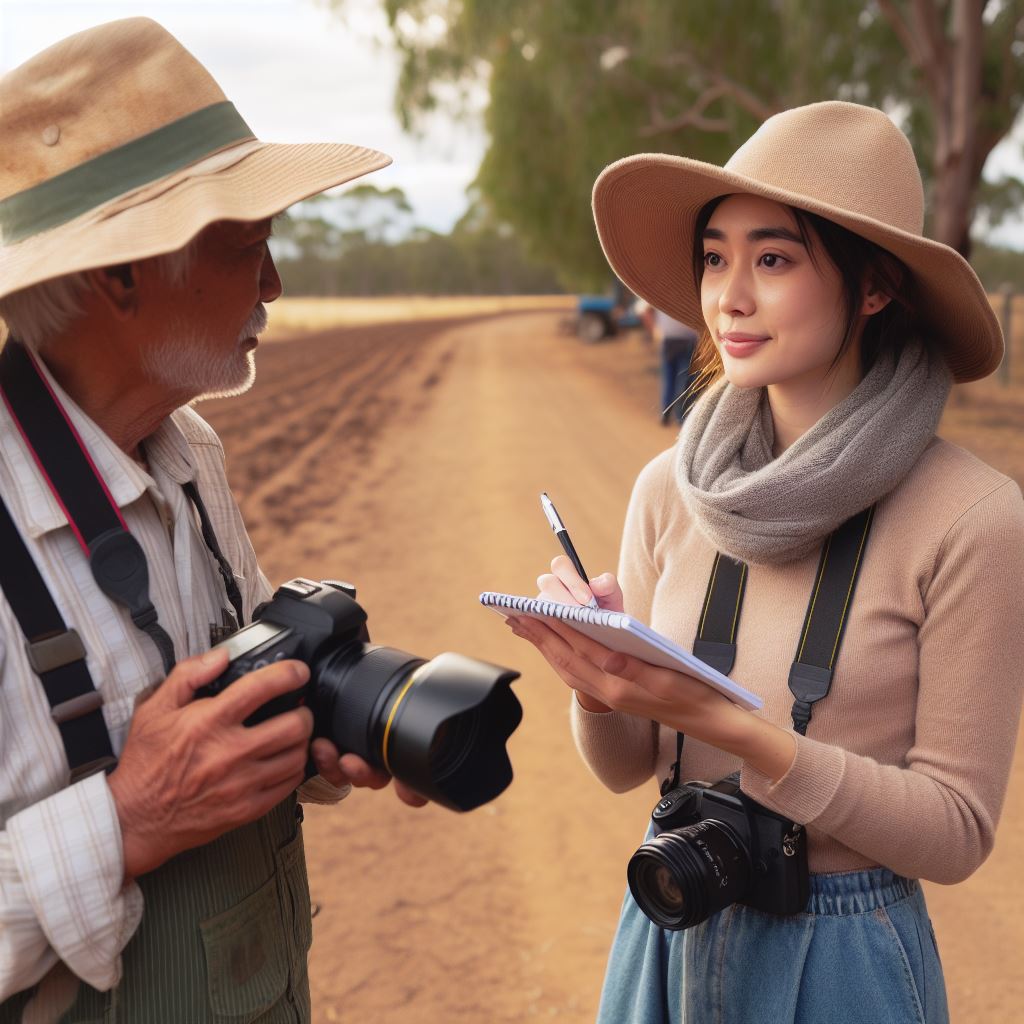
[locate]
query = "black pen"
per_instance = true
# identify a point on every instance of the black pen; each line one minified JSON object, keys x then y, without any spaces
{"x":563,"y":538}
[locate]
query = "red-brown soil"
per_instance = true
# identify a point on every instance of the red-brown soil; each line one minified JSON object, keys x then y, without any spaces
{"x":408,"y":459}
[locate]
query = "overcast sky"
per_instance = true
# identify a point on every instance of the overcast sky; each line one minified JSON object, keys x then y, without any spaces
{"x":296,"y":72}
{"x":299,"y":73}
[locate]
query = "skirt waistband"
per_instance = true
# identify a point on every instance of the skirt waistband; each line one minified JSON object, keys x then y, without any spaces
{"x":858,"y":892}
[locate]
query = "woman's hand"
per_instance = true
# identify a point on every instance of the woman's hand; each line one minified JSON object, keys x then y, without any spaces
{"x":619,"y":682}
{"x":564,"y":586}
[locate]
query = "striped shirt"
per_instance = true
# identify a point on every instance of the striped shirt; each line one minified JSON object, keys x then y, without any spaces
{"x":62,"y":897}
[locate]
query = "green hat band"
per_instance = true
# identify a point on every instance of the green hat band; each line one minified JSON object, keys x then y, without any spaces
{"x":83,"y":188}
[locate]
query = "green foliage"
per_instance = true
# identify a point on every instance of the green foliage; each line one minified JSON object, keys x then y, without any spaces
{"x":318,"y":256}
{"x":998,"y":267}
{"x":575,"y":84}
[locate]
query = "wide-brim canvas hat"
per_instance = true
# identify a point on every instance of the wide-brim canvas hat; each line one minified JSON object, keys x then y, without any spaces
{"x":843,"y":161}
{"x":116,"y":144}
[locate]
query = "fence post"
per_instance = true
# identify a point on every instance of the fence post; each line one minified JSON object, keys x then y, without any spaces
{"x":1006,"y":320}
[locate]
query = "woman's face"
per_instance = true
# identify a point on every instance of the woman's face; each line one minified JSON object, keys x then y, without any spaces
{"x":776,"y":316}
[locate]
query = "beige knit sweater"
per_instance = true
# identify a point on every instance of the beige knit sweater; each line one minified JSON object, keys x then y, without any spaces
{"x":905,"y":762}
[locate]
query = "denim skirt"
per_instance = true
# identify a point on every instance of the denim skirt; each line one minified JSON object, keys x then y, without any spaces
{"x":863,"y":952}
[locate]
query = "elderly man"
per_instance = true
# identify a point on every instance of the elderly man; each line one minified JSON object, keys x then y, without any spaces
{"x":151,"y":864}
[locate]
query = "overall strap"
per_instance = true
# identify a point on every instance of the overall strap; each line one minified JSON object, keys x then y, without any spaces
{"x":810,"y":676}
{"x":115,"y":557}
{"x":56,"y":655}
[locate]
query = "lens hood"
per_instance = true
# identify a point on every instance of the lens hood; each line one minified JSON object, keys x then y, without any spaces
{"x":447,"y":729}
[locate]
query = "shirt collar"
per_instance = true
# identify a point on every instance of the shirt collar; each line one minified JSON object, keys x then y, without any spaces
{"x":126,"y":480}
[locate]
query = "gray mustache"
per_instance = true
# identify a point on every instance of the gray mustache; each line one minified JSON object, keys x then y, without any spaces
{"x":256,"y":324}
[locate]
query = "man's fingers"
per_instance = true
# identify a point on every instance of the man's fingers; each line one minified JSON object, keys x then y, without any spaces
{"x":325,"y":757}
{"x":409,"y":796}
{"x":361,"y":773}
{"x":190,"y":674}
{"x":280,"y":732}
{"x":289,"y":766}
{"x":255,"y":689}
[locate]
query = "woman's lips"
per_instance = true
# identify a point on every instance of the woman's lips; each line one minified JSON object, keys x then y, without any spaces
{"x":739,"y":346}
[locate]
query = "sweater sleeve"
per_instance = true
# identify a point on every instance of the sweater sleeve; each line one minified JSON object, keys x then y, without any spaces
{"x":621,"y":749}
{"x":934,"y":816}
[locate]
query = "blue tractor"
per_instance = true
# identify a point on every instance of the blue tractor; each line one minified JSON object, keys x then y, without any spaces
{"x":603,"y":316}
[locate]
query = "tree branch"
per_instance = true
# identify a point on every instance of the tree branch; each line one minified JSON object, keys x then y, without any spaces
{"x":916,"y":45}
{"x":692,"y":118}
{"x":744,"y":97}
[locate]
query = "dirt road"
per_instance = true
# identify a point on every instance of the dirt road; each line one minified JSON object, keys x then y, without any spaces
{"x":408,"y":459}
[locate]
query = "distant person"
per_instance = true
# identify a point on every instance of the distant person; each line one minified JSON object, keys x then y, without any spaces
{"x":135,"y":208}
{"x":676,"y":343}
{"x":811,"y":535}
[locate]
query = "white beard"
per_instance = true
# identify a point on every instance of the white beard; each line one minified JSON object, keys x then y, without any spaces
{"x":186,"y":360}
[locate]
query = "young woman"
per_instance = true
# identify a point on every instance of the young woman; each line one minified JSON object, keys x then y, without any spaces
{"x":834,"y":330}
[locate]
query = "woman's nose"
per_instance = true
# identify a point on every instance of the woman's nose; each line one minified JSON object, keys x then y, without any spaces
{"x":736,"y":297}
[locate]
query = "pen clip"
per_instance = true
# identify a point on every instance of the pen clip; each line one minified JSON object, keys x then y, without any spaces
{"x":551,"y":512}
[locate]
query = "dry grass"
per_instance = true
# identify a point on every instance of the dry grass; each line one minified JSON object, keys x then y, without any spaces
{"x":293,"y":317}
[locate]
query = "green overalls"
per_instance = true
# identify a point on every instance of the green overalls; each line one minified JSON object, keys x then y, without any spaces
{"x":224,"y":937}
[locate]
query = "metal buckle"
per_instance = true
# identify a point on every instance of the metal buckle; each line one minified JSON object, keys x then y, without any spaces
{"x":54,"y":651}
{"x":83,"y":704}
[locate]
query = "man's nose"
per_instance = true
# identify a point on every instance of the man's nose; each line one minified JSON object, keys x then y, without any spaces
{"x":270,"y":280}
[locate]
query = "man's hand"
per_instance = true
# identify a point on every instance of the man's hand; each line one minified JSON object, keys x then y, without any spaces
{"x":351,"y":768}
{"x":191,"y":771}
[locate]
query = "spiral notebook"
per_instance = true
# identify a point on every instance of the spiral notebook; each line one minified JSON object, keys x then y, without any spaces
{"x":621,"y":632}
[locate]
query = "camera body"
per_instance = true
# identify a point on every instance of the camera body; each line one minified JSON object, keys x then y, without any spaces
{"x":300,"y":619}
{"x":439,"y":725}
{"x":712,"y":846}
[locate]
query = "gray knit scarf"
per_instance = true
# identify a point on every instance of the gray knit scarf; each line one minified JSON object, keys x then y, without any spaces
{"x":763,"y":509}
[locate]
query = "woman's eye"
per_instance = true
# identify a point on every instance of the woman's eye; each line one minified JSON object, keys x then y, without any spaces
{"x":712,"y":259}
{"x":772,"y":260}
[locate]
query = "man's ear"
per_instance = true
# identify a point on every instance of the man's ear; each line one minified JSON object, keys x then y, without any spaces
{"x":114,"y":287}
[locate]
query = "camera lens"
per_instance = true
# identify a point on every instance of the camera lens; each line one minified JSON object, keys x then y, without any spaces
{"x":452,"y":743}
{"x":440,"y":725}
{"x":683,"y":876}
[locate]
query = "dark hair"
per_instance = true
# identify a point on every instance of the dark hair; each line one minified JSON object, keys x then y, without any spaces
{"x":858,"y":261}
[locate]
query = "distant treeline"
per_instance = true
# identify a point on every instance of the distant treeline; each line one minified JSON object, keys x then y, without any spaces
{"x":998,"y":267}
{"x":482,"y":262}
{"x":364,"y":242}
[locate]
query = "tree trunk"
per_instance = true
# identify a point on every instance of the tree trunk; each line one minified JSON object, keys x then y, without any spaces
{"x":955,"y":91}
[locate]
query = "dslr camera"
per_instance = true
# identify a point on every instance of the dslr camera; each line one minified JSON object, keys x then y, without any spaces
{"x":438,"y":725}
{"x":714,"y":846}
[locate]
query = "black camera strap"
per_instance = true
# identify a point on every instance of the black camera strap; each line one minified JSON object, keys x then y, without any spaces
{"x":116,"y":559}
{"x":715,"y":643}
{"x":56,"y":655}
{"x":223,"y":565}
{"x":810,"y":676}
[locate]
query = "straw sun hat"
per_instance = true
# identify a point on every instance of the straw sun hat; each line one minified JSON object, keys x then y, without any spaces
{"x":843,"y":161}
{"x":117,"y":144}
